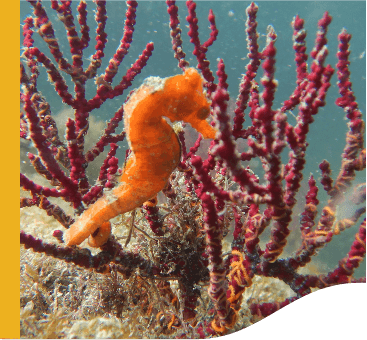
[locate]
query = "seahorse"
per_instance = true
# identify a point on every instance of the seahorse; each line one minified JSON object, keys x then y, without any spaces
{"x":155,"y":149}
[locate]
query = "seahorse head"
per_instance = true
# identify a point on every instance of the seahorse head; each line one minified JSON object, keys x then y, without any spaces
{"x":187,"y":101}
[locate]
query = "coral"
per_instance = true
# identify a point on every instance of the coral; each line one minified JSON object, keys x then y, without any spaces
{"x":197,"y":246}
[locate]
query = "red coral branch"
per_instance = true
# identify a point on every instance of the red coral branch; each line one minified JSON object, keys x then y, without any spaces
{"x":184,"y":237}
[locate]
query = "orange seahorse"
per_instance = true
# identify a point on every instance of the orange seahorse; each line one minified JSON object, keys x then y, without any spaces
{"x":155,"y":149}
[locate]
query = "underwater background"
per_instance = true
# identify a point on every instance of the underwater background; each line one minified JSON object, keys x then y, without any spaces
{"x":327,"y":134}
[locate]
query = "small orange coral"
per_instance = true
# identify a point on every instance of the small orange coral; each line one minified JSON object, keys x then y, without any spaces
{"x":155,"y":149}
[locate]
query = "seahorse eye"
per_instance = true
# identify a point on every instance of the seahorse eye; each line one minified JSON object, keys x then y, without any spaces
{"x":203,"y":113}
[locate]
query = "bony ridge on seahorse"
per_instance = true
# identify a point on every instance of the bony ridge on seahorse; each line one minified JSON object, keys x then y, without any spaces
{"x":155,"y":150}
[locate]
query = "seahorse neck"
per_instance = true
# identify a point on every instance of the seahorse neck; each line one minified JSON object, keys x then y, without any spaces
{"x":144,"y":122}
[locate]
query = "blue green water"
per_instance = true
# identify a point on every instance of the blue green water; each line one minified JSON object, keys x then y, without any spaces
{"x":327,"y":134}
